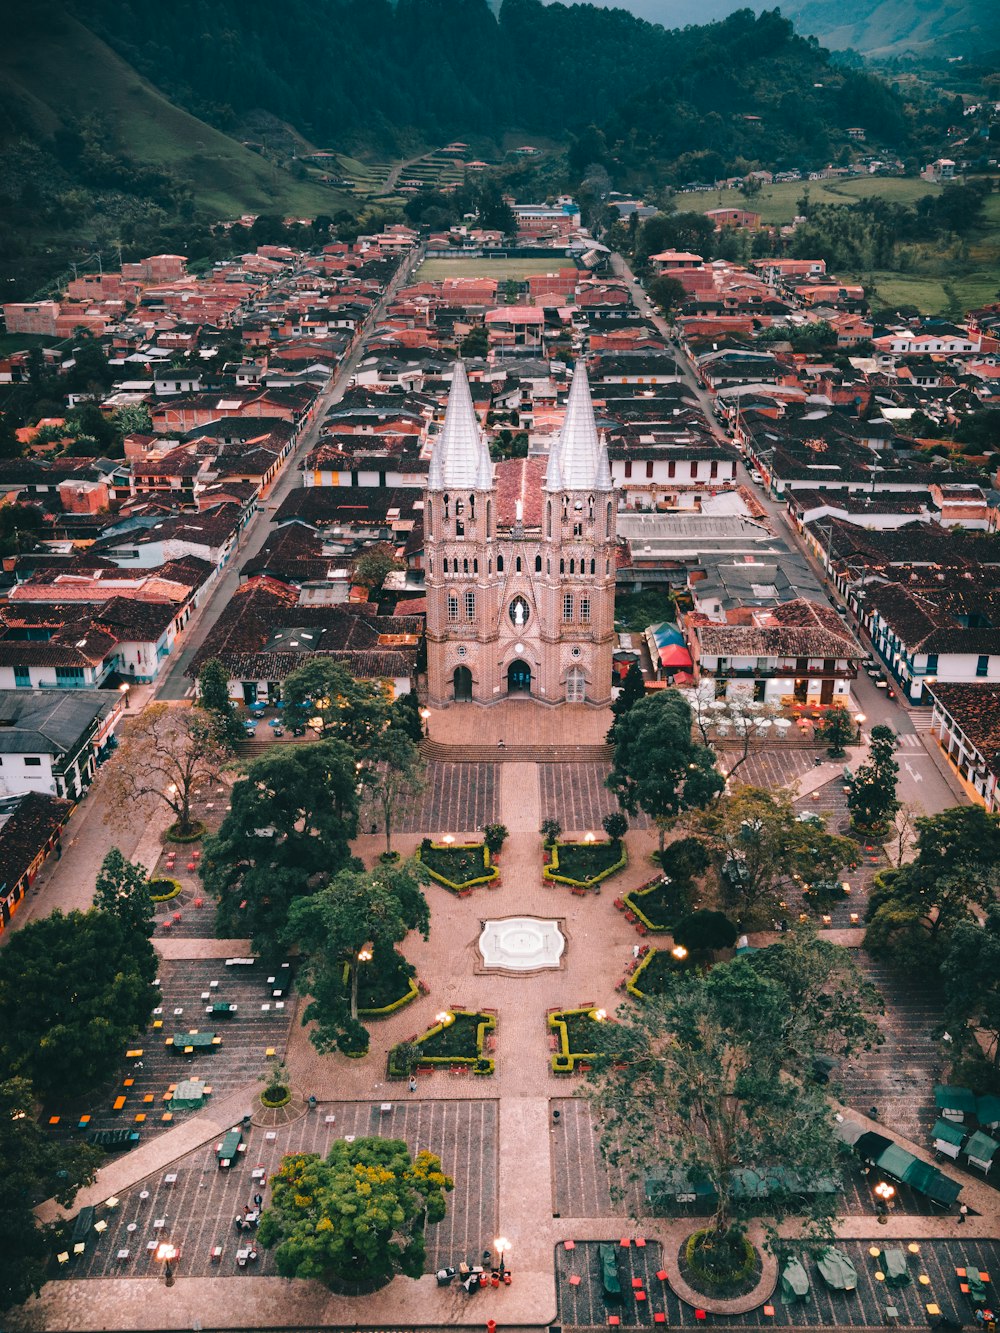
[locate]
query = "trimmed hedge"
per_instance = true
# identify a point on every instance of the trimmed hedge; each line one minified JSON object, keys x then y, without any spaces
{"x":394,"y":976}
{"x":282,"y":1096}
{"x":569,"y":1025}
{"x":728,"y":1277}
{"x":616,"y":859}
{"x":656,"y":963}
{"x":172,"y":891}
{"x":442,"y":853}
{"x":647,"y":905}
{"x":172,"y":835}
{"x":411,"y":994}
{"x":479,"y":1063}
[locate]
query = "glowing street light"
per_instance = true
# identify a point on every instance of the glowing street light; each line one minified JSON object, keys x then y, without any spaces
{"x":589,"y":837}
{"x":123,"y":691}
{"x":166,"y":1253}
{"x":444,"y":1018}
{"x":365,"y":953}
{"x":502,"y":1247}
{"x":679,"y":952}
{"x":448,"y":839}
{"x":860,"y":719}
{"x":425,"y":714}
{"x":598,"y":1015}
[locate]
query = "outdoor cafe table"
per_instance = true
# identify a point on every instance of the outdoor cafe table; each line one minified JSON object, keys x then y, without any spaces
{"x":189,"y":1043}
{"x":188,"y":1095}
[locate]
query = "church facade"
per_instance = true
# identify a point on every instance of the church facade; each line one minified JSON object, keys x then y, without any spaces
{"x":519,"y":563}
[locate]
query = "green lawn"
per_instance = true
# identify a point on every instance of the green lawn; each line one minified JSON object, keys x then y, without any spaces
{"x":778,"y":203}
{"x":433,"y":270}
{"x":21,"y":342}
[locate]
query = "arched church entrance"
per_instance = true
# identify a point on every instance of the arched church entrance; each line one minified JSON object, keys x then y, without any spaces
{"x":519,"y":678}
{"x":462,"y":681}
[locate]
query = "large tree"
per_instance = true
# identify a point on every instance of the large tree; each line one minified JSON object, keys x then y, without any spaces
{"x":872,"y":798}
{"x":168,"y":755}
{"x":742,"y":723}
{"x":33,"y":1166}
{"x":324,"y":694}
{"x":392,"y":774}
{"x":213,"y":697}
{"x":760,"y":848}
{"x":706,"y":1084}
{"x":658,"y":767}
{"x":288,"y":828}
{"x":122,"y":890}
{"x":73,"y":991}
{"x":358,"y":1216}
{"x":956,"y":872}
{"x":355,"y":921}
{"x":971,"y":973}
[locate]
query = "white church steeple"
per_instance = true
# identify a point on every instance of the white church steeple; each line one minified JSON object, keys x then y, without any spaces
{"x":578,"y":460}
{"x":460,"y":458}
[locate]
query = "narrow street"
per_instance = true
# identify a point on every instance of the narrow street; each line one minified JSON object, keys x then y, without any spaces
{"x":921,"y":782}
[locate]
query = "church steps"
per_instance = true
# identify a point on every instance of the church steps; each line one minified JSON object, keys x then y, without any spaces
{"x":437,"y":752}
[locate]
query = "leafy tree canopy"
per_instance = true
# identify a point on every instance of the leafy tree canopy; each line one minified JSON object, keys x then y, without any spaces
{"x":213,"y":697}
{"x":356,"y":913}
{"x":33,"y":1166}
{"x":290,"y":824}
{"x":658,"y":767}
{"x":971,"y":973}
{"x":73,"y":990}
{"x":356,"y":1217}
{"x":122,"y":890}
{"x":353,"y":711}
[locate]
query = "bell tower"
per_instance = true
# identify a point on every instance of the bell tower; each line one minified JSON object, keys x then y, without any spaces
{"x":459,"y":536}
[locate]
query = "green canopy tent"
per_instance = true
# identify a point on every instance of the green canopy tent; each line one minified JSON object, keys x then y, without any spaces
{"x":667,"y":1187}
{"x":608,"y":1258}
{"x":837,"y":1270}
{"x":897,"y":1274}
{"x":948,"y":1138}
{"x":794,"y":1281}
{"x":981,"y":1150}
{"x":988,"y":1111}
{"x":909,"y":1170}
{"x":954,"y":1103}
{"x":188,"y":1095}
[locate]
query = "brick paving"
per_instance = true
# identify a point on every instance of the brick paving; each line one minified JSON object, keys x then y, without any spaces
{"x":773,"y":767}
{"x":585,"y":1306}
{"x":575,"y":794}
{"x":457,"y":798}
{"x":197,"y":1209}
{"x":240,"y":1062}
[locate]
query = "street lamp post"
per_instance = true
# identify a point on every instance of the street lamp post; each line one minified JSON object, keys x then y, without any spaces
{"x":166,"y":1253}
{"x":502,"y":1246}
{"x":885,"y":1194}
{"x":425,"y":714}
{"x":123,"y":691}
{"x":860,"y":720}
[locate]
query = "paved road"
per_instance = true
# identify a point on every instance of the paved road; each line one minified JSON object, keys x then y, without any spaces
{"x":174,"y":684}
{"x":921,"y":782}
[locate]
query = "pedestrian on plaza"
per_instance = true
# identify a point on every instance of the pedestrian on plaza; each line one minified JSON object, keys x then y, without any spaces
{"x":238,"y":1222}
{"x":413,"y":1084}
{"x":636,"y":951}
{"x":258,"y":1200}
{"x":962,"y":1213}
{"x":873,"y":1113}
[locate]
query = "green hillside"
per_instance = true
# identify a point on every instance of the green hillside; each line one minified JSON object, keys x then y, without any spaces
{"x":53,"y":69}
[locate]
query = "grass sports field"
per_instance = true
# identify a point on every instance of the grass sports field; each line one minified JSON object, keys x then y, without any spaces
{"x":433,"y":270}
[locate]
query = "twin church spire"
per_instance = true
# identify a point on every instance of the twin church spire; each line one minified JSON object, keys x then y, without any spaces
{"x":578,"y":459}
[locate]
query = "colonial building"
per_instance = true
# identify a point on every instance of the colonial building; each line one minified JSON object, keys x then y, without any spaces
{"x":520,"y":562}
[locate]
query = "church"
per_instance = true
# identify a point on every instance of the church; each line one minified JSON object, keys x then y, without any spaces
{"x":519,"y":562}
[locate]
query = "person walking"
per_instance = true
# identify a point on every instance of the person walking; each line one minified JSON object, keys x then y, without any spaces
{"x":413,"y":1084}
{"x":963,"y":1212}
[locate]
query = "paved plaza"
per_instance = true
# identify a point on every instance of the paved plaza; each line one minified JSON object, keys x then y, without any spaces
{"x":523,"y":1148}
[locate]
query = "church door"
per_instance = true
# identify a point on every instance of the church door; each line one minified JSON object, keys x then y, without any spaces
{"x":519,"y":678}
{"x":462,"y":680}
{"x":576,"y":686}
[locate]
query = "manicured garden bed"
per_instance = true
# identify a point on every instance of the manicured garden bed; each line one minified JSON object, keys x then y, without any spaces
{"x":584,"y":864}
{"x":659,"y":907}
{"x":196,"y":831}
{"x":721,"y":1266}
{"x":385,"y":985}
{"x":459,"y":1041}
{"x":655,"y":974}
{"x":457,"y":868}
{"x":575,"y":1030}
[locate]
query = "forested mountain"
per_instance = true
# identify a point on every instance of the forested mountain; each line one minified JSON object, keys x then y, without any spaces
{"x":376,"y":72}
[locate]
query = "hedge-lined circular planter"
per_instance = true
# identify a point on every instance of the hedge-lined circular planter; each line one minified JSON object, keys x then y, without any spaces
{"x":282,"y":1096}
{"x":171,"y":888}
{"x":198,"y":831}
{"x":733,"y":1275}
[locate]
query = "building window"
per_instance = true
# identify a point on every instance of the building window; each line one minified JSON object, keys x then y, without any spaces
{"x":714,"y":470}
{"x":446,"y":507}
{"x":32,"y":763}
{"x":628,"y":468}
{"x":69,"y":676}
{"x":470,"y":606}
{"x":538,"y":564}
{"x":452,"y":608}
{"x":932,"y":661}
{"x":517,"y":565}
{"x":649,"y":470}
{"x":593,"y":566}
{"x":22,"y":678}
{"x":585,"y":610}
{"x":576,"y":686}
{"x":499,"y":564}
{"x":567,"y":606}
{"x":548,"y":519}
{"x":577,"y":529}
{"x":983,"y":665}
{"x":672,"y":468}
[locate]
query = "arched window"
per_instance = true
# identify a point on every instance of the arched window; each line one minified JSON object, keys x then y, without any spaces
{"x":430,"y":518}
{"x":499,"y":564}
{"x":472,"y":506}
{"x":465,"y":566}
{"x":593,"y":566}
{"x":489,"y":566}
{"x":548,"y":519}
{"x":607,"y":566}
{"x":446,"y":502}
{"x":459,"y":508}
{"x":590,"y":508}
{"x":459,"y":528}
{"x":517,"y":565}
{"x":608,"y":533}
{"x":572,"y":566}
{"x":475,"y":566}
{"x":576,"y":686}
{"x":538,"y":564}
{"x":562,"y":566}
{"x":452,"y":608}
{"x":445,"y":564}
{"x":489,"y":512}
